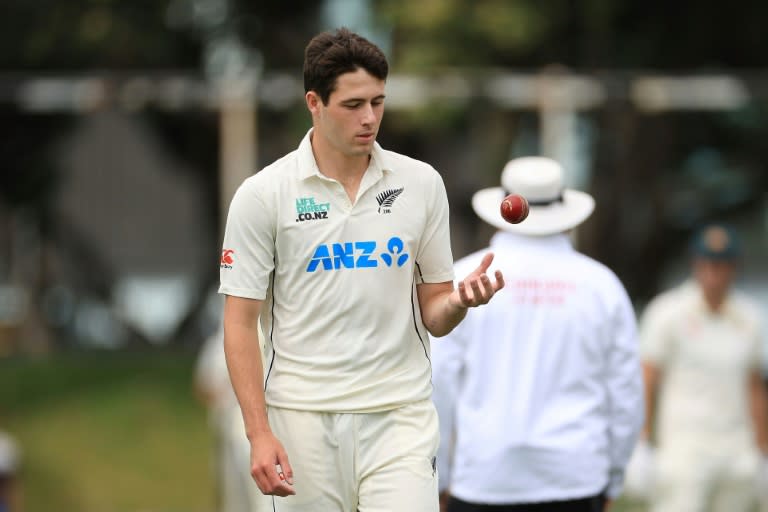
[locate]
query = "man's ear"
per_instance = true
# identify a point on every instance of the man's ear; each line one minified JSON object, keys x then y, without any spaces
{"x":313,"y":101}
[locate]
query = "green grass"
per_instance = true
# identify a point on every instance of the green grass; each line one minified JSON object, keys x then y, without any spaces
{"x":108,"y":432}
{"x":113,"y":432}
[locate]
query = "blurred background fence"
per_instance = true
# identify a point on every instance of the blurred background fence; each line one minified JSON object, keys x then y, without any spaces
{"x":126,"y":126}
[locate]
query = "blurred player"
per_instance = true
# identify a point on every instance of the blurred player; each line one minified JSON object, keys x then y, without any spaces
{"x":343,"y":248}
{"x":539,"y":393}
{"x":235,"y":490}
{"x":10,"y":492}
{"x":701,"y":350}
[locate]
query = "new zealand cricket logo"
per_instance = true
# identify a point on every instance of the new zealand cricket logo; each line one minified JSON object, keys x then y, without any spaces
{"x":388,"y":197}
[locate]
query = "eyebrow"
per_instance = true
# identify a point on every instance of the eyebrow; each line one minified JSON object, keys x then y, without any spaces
{"x":355,"y":100}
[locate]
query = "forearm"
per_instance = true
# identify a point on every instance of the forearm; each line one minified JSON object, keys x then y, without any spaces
{"x":759,"y":410}
{"x":440,"y":315}
{"x":243,"y":354}
{"x":650,"y":387}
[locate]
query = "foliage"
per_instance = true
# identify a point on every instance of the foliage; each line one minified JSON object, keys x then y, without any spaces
{"x":584,"y":34}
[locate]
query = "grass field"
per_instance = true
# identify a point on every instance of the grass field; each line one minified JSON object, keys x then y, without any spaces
{"x":108,"y":432}
{"x":112,"y":432}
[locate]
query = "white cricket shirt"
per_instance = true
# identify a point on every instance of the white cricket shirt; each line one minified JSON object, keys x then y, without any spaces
{"x":705,"y":359}
{"x":338,"y":279}
{"x":539,"y":392}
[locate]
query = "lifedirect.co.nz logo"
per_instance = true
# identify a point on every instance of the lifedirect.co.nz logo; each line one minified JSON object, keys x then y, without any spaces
{"x":308,"y":209}
{"x":360,"y":254}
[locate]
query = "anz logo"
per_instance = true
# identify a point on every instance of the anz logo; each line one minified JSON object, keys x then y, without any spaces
{"x":357,"y":255}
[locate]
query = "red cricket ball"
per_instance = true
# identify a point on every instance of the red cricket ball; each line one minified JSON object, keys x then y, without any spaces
{"x":514,"y":208}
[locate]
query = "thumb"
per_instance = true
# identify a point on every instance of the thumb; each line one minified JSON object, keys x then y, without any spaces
{"x":282,"y":459}
{"x":485,"y":263}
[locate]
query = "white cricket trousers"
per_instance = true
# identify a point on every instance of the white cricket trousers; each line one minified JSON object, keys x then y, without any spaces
{"x":698,"y":482}
{"x":366,"y":462}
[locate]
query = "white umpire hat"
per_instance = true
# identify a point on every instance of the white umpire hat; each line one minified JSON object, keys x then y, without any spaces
{"x":553,"y":208}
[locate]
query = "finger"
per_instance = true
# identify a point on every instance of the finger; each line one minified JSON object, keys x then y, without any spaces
{"x":485,"y":263}
{"x":477,"y":292}
{"x":273,"y":483}
{"x":463,"y":296}
{"x":286,"y":466}
{"x":487,"y":289}
{"x":284,"y":487}
{"x":262,"y":480}
{"x":499,"y":281}
{"x":280,"y":473}
{"x":284,"y":490}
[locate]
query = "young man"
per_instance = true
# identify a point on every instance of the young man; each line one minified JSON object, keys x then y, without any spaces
{"x":342,"y":250}
{"x":701,"y":346}
{"x":539,"y":393}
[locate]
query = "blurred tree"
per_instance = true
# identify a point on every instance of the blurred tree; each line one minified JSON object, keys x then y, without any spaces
{"x":80,"y":36}
{"x":650,"y":188}
{"x":576,"y":33}
{"x":640,"y":159}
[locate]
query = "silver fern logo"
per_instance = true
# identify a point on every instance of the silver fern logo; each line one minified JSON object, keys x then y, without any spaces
{"x":388,"y":197}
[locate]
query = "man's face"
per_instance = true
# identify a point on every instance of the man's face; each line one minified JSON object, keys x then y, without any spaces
{"x":350,"y":121}
{"x":714,"y":276}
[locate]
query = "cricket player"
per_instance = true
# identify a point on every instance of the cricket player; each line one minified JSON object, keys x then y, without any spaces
{"x":342,"y":248}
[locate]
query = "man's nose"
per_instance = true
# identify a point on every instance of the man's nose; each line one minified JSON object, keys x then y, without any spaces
{"x":368,"y":117}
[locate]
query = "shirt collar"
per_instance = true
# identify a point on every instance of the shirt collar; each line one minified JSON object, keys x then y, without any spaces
{"x":308,"y":166}
{"x":694,"y":291}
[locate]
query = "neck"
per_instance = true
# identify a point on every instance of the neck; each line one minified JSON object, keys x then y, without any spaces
{"x":714,"y":301}
{"x":337,"y":165}
{"x":346,"y":169}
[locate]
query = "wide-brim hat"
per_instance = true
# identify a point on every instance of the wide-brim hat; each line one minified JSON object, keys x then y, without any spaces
{"x":553,"y":208}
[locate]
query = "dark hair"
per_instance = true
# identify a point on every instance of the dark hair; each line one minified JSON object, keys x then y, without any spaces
{"x":331,"y":54}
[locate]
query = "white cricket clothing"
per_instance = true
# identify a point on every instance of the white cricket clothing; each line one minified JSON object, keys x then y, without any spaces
{"x":706,"y":450}
{"x":236,"y":490}
{"x":539,"y":392}
{"x":372,"y":462}
{"x":338,"y":279}
{"x":706,"y":359}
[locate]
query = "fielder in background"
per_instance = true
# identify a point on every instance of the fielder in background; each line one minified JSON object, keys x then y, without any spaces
{"x":10,"y":486}
{"x":539,"y":394}
{"x":342,"y":249}
{"x":701,"y":348}
{"x":234,"y":488}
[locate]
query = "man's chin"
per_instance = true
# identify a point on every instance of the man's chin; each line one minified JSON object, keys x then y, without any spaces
{"x":361,"y":149}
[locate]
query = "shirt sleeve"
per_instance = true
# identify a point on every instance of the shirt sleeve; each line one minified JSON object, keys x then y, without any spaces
{"x":655,"y":333}
{"x":447,"y":369}
{"x":247,"y":257}
{"x":434,"y":257}
{"x":758,"y":345}
{"x":625,"y":392}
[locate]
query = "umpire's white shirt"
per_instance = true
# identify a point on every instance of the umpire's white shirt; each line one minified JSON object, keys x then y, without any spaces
{"x":539,"y":392}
